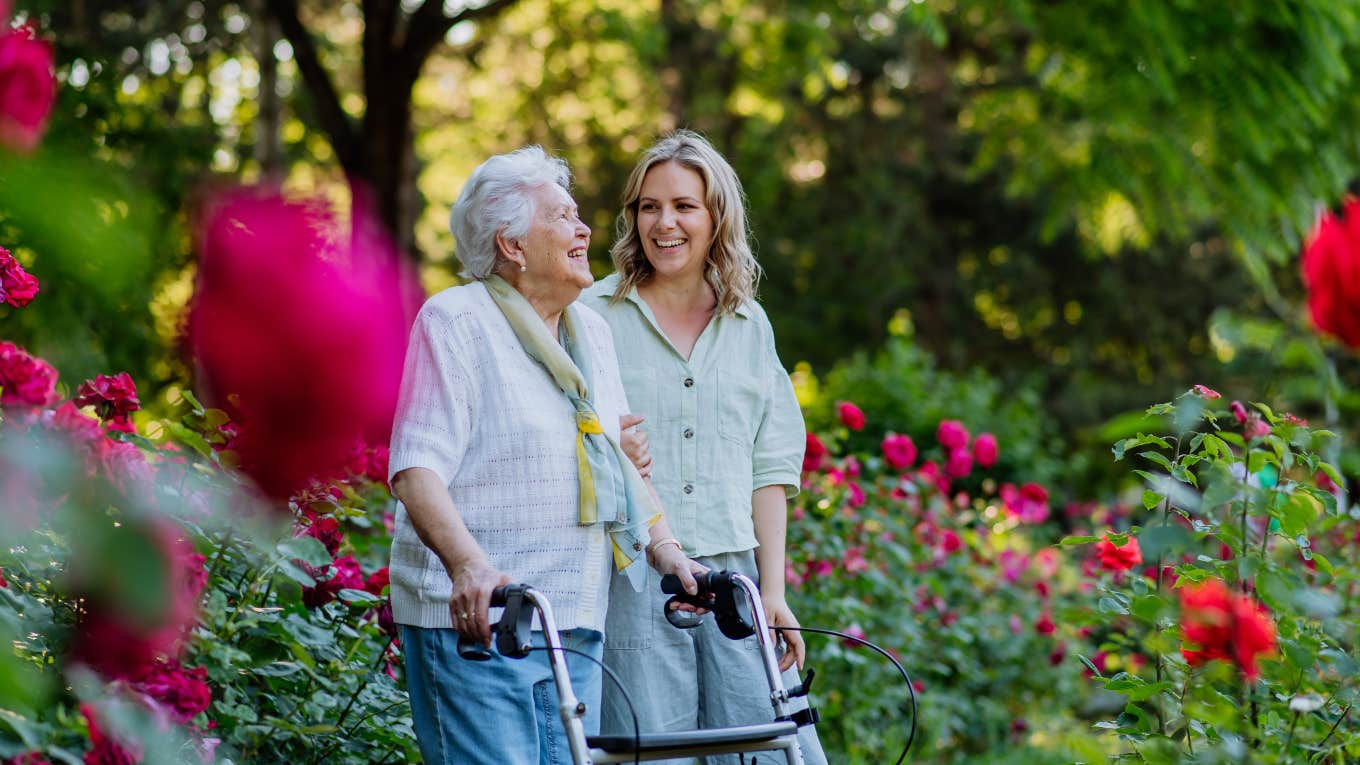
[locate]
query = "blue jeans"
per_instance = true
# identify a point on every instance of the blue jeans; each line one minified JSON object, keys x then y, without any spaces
{"x":495,"y":712}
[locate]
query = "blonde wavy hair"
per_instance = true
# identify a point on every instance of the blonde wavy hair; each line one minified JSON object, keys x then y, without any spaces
{"x":732,"y":270}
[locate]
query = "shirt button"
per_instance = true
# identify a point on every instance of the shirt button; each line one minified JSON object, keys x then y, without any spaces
{"x":637,"y":547}
{"x":689,"y":382}
{"x":689,"y":488}
{"x":689,"y":432}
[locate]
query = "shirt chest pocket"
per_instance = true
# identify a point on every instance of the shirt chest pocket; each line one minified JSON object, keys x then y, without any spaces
{"x":739,"y":407}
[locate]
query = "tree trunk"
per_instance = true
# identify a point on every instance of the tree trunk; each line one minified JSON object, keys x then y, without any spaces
{"x":268,"y":126}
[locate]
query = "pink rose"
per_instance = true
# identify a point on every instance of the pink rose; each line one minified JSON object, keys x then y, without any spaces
{"x":17,"y":286}
{"x":952,"y":435}
{"x":26,"y":380}
{"x":106,"y":749}
{"x":1045,"y":625}
{"x":855,"y":634}
{"x":316,"y":362}
{"x":28,"y":88}
{"x":985,"y":450}
{"x":851,"y":416}
{"x":854,"y":561}
{"x":1029,"y":503}
{"x":1239,"y":412}
{"x":345,"y":575}
{"x":184,"y":693}
{"x":114,"y":397}
{"x":856,"y":498}
{"x":1206,"y":393}
{"x":325,"y":530}
{"x":959,"y":464}
{"x":1256,"y":427}
{"x":898,"y":451}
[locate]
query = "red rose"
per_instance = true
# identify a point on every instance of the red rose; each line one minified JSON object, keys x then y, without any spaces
{"x":26,"y":380}
{"x":952,"y":435}
{"x":1331,"y":274}
{"x":114,"y":397}
{"x":325,"y":529}
{"x":104,"y":748}
{"x":1224,"y":626}
{"x":898,"y":451}
{"x":17,"y":286}
{"x":377,"y":581}
{"x":1045,"y":625}
{"x":315,"y":364}
{"x":28,"y":88}
{"x":1119,"y":557}
{"x":851,"y":416}
{"x":959,"y":464}
{"x":985,"y":450}
{"x":814,"y":453}
{"x":3,"y":581}
{"x":345,"y":575}
{"x":1205,"y":392}
{"x":184,"y":693}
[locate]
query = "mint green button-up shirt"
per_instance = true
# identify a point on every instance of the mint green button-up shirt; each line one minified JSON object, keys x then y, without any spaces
{"x":721,"y":424}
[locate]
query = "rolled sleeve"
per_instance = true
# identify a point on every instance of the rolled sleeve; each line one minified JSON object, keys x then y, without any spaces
{"x":434,"y":410}
{"x":777,"y":459}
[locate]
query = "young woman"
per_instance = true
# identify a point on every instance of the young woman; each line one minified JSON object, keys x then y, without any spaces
{"x":698,"y":362}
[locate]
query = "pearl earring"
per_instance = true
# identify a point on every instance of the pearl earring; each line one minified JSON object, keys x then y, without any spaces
{"x":523,"y":268}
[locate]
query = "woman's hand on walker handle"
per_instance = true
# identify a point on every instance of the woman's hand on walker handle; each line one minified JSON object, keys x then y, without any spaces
{"x":470,"y":605}
{"x":670,"y":559}
{"x":633,"y":440}
{"x":778,"y":614}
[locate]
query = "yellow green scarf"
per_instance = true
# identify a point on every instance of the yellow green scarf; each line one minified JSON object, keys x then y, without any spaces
{"x":612,"y":492}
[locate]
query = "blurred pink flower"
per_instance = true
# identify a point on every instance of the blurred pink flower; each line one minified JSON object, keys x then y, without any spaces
{"x":28,"y":87}
{"x":985,"y":450}
{"x":1029,"y":503}
{"x":1046,"y":559}
{"x":820,"y":568}
{"x":1013,"y":565}
{"x":324,"y":529}
{"x":952,"y":435}
{"x":1045,"y":625}
{"x":959,"y":464}
{"x":854,"y":561}
{"x":17,"y":286}
{"x":1056,"y":656}
{"x":1205,"y":392}
{"x":345,"y":575}
{"x":850,"y":415}
{"x":857,"y":633}
{"x":106,"y":749}
{"x":856,"y":498}
{"x":25,"y":380}
{"x":316,"y":361}
{"x":930,"y":474}
{"x":898,"y":451}
{"x":1239,"y":412}
{"x":1256,"y":427}
{"x":184,"y":693}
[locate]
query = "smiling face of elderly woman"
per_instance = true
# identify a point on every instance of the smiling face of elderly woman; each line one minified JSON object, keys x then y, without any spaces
{"x":552,"y":253}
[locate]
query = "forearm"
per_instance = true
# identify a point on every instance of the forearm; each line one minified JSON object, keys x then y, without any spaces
{"x":436,"y":519}
{"x":769,"y":512}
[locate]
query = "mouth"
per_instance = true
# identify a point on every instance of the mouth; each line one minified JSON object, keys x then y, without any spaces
{"x":577,"y":253}
{"x":669,"y":243}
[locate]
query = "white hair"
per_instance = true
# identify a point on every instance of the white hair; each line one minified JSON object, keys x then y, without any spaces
{"x":495,"y":200}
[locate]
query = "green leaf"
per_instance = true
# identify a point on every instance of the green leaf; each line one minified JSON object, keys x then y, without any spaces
{"x":190,"y":439}
{"x":1298,"y":515}
{"x":309,"y":550}
{"x":1077,"y":540}
{"x":292,"y":571}
{"x":1151,"y":499}
{"x":358,"y":597}
{"x":1163,"y":541}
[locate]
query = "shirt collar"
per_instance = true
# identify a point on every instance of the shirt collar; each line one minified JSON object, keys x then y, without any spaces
{"x":609,"y":283}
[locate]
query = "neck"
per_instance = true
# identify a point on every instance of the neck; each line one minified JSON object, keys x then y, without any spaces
{"x":549,"y":307}
{"x":681,"y":293}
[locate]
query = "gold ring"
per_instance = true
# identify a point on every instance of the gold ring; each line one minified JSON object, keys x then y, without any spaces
{"x":462,"y":616}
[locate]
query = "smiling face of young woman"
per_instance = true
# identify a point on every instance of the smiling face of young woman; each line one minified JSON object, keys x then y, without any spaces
{"x":674,"y":223}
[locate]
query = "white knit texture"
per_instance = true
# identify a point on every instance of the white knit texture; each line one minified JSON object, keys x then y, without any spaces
{"x":490,"y":421}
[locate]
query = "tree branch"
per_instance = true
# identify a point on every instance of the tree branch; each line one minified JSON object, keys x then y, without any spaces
{"x":429,"y":25}
{"x":334,"y":121}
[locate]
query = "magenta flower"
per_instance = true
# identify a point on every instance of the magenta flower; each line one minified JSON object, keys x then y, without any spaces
{"x":959,"y":464}
{"x":17,"y":286}
{"x":898,"y":451}
{"x":1206,"y":393}
{"x":25,"y":380}
{"x":952,"y":435}
{"x":851,"y":416}
{"x":315,"y":363}
{"x":28,"y":88}
{"x":985,"y":450}
{"x":114,"y":397}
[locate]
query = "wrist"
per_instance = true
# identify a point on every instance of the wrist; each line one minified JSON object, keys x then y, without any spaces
{"x":662,"y":546}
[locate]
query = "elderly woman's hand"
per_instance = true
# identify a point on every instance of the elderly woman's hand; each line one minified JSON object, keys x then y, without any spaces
{"x":633,"y":440}
{"x":473,"y":582}
{"x":670,"y":559}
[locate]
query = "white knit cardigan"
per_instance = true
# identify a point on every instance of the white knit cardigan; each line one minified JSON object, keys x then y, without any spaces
{"x":490,"y":422}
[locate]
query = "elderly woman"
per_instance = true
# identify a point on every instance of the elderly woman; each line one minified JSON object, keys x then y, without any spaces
{"x":726,"y":434}
{"x":506,"y":462}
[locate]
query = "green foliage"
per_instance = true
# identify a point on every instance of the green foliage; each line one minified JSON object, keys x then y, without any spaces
{"x":1234,"y":498}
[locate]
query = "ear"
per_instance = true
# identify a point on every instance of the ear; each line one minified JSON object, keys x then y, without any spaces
{"x":510,"y":249}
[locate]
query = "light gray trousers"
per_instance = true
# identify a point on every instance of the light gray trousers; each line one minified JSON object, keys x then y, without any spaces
{"x":686,"y":679}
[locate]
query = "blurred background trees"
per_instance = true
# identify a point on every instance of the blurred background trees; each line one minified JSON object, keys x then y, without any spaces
{"x":1097,"y":203}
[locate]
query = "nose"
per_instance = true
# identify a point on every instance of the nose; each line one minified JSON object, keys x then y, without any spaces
{"x":581,"y":228}
{"x":667,"y":217}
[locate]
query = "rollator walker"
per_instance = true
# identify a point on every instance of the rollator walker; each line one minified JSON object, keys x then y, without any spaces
{"x":735,"y":603}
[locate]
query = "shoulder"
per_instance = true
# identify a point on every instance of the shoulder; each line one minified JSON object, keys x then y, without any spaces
{"x":598,"y":294}
{"x":457,"y":302}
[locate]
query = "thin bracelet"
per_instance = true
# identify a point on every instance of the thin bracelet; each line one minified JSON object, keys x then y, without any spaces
{"x":663,"y":542}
